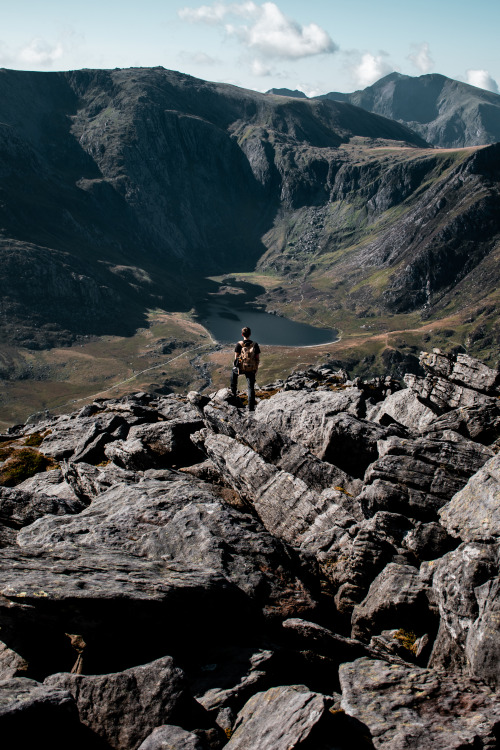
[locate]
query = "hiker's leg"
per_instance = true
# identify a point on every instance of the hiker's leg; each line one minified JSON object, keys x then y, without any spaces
{"x":251,"y":390}
{"x":234,"y":381}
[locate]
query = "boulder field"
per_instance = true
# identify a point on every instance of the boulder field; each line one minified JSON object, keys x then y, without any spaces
{"x":322,"y":573}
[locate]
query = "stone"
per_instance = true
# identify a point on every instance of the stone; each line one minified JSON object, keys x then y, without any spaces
{"x":169,"y":737}
{"x":157,"y":445}
{"x":20,"y":508}
{"x":277,"y":448}
{"x":359,"y":553}
{"x":32,"y":714}
{"x":220,"y":538}
{"x":462,"y":369}
{"x":11,"y":664}
{"x":125,"y":707}
{"x":443,"y":395}
{"x":411,"y":707}
{"x":417,"y":477}
{"x":72,"y":435}
{"x":284,"y":504}
{"x":405,"y":408}
{"x":305,"y":417}
{"x":51,"y":483}
{"x":428,"y":541}
{"x":480,"y":423}
{"x":462,"y":583}
{"x":482,"y":645}
{"x":278,"y":719}
{"x":473,"y":513}
{"x":396,"y":599}
{"x":124,"y":607}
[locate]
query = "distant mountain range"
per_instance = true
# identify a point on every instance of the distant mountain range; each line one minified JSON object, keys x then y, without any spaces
{"x":122,"y":190}
{"x":446,"y":113}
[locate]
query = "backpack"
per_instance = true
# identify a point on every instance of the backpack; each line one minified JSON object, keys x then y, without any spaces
{"x":248,"y":357}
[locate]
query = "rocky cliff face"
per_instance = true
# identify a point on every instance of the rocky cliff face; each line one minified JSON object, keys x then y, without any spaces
{"x":122,"y":189}
{"x":322,"y":573}
{"x":447,"y":113}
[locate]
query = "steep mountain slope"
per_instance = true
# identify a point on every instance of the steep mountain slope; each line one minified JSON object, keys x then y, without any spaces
{"x":121,"y":190}
{"x":447,"y":113}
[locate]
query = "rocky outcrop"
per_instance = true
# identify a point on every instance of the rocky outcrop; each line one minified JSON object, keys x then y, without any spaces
{"x":316,"y":569}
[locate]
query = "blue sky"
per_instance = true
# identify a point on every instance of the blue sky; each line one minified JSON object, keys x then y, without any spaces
{"x":316,"y":46}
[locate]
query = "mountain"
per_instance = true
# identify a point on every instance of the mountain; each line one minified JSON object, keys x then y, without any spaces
{"x":321,"y":573}
{"x":121,"y":190}
{"x":445,"y":112}
{"x":287,"y":92}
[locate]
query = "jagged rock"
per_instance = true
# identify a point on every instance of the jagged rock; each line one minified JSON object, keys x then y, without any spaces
{"x":406,"y":409}
{"x":123,"y":708}
{"x":473,"y":514}
{"x":11,"y":664}
{"x":462,"y":369}
{"x":20,"y":508}
{"x":410,"y":707}
{"x":156,"y":445}
{"x":220,"y":538}
{"x":87,"y":481}
{"x":352,"y":442}
{"x":444,"y":394}
{"x":396,"y":599}
{"x":52,"y":483}
{"x":313,"y":637}
{"x":32,"y":714}
{"x":480,"y":423}
{"x":231,"y":677}
{"x":169,"y":737}
{"x":73,"y":435}
{"x":359,"y":553}
{"x":465,"y":593}
{"x":276,"y":448}
{"x":121,"y":518}
{"x":278,"y":719}
{"x":305,"y":417}
{"x":427,"y":541}
{"x":417,"y":477}
{"x":284,"y":504}
{"x":124,"y":607}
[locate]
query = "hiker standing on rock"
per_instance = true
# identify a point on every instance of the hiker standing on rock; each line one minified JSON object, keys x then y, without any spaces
{"x":246,"y":362}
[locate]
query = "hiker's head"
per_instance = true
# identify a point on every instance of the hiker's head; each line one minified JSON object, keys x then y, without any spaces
{"x":245,"y":332}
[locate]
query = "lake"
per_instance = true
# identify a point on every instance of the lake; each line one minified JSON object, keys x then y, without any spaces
{"x":225,"y":314}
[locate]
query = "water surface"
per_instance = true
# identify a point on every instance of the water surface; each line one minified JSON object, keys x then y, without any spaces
{"x":225,"y":314}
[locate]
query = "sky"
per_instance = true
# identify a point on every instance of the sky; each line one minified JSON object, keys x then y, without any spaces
{"x":315,"y":46}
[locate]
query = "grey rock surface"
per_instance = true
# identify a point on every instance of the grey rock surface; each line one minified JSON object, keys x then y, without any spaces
{"x":123,"y":708}
{"x":20,"y":507}
{"x":396,"y":599}
{"x":406,"y":408}
{"x":170,"y":737}
{"x":417,"y":477}
{"x":410,"y":707}
{"x":305,"y":417}
{"x":278,"y":719}
{"x":473,"y":513}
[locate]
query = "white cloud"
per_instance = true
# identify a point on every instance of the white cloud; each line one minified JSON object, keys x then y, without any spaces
{"x":259,"y":68}
{"x":267,"y":31}
{"x":199,"y":58}
{"x":421,"y":57}
{"x":483,"y":80}
{"x":40,"y":52}
{"x":371,"y":68}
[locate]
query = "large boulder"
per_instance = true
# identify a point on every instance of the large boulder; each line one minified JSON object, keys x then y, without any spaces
{"x":417,"y":477}
{"x":473,"y":513}
{"x":278,"y":719}
{"x":396,"y":599}
{"x":32,"y":714}
{"x":414,"y":708}
{"x":123,"y":708}
{"x":305,"y":416}
{"x":405,"y":408}
{"x":463,"y":587}
{"x":170,"y":737}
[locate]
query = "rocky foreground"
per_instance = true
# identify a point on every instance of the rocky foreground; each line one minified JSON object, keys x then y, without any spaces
{"x":322,"y":574}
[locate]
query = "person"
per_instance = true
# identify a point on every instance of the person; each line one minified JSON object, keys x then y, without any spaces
{"x":246,"y":362}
